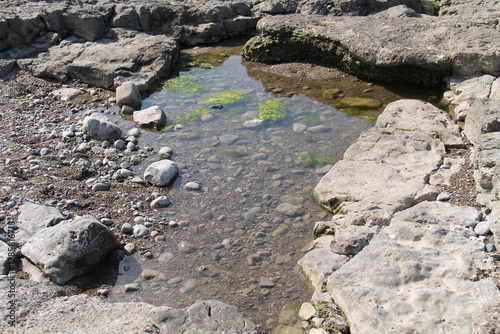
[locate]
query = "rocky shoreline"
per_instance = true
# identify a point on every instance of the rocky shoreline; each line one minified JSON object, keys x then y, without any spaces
{"x":402,"y":254}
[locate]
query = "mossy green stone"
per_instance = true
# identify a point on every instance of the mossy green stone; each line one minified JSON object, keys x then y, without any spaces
{"x":332,"y":93}
{"x":357,"y":102}
{"x":312,"y":120}
{"x":235,"y":152}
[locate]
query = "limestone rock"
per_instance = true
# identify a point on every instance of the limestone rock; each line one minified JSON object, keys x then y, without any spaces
{"x":70,"y":248}
{"x":482,"y":117}
{"x":160,"y":202}
{"x":34,"y":218}
{"x":6,"y":65}
{"x":381,"y":170}
{"x":152,"y":117}
{"x":128,"y":94}
{"x":318,"y":264}
{"x":161,"y":173}
{"x":67,"y":94}
{"x":380,"y":46}
{"x":307,"y":311}
{"x":101,"y":128}
{"x":416,"y":115}
{"x":416,"y":275}
{"x":49,"y":312}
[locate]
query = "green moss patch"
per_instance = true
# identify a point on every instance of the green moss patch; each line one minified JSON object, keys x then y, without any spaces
{"x":190,"y":116}
{"x":184,"y":83}
{"x":272,"y":109}
{"x":312,"y":120}
{"x":224,"y":97}
{"x":311,"y":159}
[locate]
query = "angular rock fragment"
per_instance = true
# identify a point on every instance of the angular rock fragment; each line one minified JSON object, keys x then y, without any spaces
{"x":70,"y":248}
{"x":101,"y":128}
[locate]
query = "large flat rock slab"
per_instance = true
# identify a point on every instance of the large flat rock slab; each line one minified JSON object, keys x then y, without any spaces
{"x":418,"y":276}
{"x":44,"y":310}
{"x":384,"y":46}
{"x":381,"y":170}
{"x":387,"y":169}
{"x":121,"y":56}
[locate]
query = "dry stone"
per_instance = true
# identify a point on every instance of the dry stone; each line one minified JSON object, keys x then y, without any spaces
{"x":381,"y":170}
{"x":318,"y":264}
{"x":152,"y":117}
{"x":161,"y":173}
{"x":70,"y":248}
{"x":431,"y":120}
{"x":381,"y":46}
{"x":101,"y":128}
{"x":34,"y":218}
{"x":128,"y":94}
{"x":417,"y":275}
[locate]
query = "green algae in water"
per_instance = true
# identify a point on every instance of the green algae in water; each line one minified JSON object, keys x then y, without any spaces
{"x":311,"y":159}
{"x":310,"y":138}
{"x":272,"y":110}
{"x":224,"y":97}
{"x":190,"y":116}
{"x":235,"y":152}
{"x":312,"y":120}
{"x":184,"y":83}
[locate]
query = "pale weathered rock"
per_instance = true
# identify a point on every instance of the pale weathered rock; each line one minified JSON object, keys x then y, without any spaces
{"x":160,"y":202}
{"x":494,"y":219}
{"x":400,"y":282}
{"x":34,"y":218}
{"x":381,"y":170}
{"x":482,"y":117}
{"x":152,"y":117}
{"x":70,"y":248}
{"x":416,"y":115}
{"x":51,"y":313}
{"x":161,"y":173}
{"x":128,"y":94}
{"x":318,"y":264}
{"x":307,"y":311}
{"x":67,"y":94}
{"x":100,"y":127}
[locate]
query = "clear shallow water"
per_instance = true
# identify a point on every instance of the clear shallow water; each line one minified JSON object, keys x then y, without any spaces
{"x":238,"y":238}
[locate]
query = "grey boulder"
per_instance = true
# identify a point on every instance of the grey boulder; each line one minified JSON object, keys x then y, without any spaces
{"x":70,"y":248}
{"x":161,"y":173}
{"x":101,"y":128}
{"x":34,"y":218}
{"x":152,"y":117}
{"x":129,"y":95}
